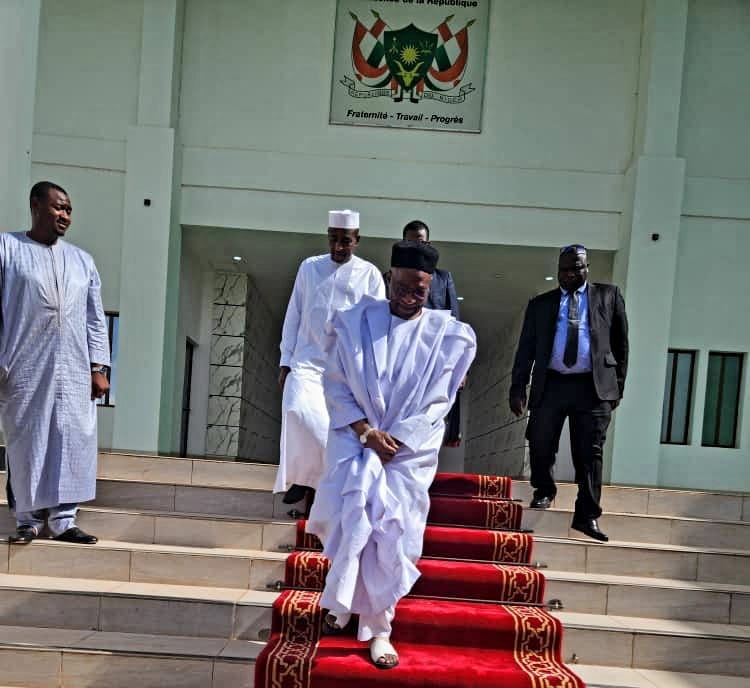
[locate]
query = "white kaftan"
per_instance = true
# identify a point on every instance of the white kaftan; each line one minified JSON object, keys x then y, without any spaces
{"x":371,"y":516}
{"x":52,"y":327}
{"x":321,"y":288}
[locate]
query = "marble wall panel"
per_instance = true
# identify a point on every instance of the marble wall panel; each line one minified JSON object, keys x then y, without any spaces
{"x":224,"y":411}
{"x":228,"y":320}
{"x":222,"y":440}
{"x":244,"y":398}
{"x":230,"y":289}
{"x":227,"y":351}
{"x":225,"y":381}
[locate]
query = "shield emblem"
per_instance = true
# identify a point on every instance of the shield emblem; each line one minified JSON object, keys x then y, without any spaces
{"x":409,"y":53}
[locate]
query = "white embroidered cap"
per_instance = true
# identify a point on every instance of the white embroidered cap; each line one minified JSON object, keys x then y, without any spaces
{"x":343,"y":219}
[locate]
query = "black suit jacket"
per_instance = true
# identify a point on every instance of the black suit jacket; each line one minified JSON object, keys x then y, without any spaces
{"x":443,"y":293}
{"x":608,"y":329}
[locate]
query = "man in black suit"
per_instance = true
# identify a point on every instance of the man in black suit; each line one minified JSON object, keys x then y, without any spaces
{"x":576,"y":339}
{"x":442,"y":290}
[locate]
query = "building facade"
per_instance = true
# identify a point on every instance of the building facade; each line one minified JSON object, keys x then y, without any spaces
{"x":194,"y":139}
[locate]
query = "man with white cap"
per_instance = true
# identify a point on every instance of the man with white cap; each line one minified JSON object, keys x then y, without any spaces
{"x":324,"y":284}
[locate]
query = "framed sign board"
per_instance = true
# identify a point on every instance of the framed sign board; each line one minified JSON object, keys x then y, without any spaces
{"x":410,"y":63}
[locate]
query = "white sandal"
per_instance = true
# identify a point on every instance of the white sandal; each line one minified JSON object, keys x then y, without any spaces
{"x":380,"y":650}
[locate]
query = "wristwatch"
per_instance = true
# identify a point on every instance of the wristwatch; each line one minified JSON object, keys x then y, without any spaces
{"x":363,"y":437}
{"x":99,"y":369}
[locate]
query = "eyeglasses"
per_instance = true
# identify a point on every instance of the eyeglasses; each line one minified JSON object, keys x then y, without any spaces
{"x":573,"y":248}
{"x":402,"y":292}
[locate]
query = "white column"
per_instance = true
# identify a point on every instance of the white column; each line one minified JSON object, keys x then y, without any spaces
{"x":144,"y":419}
{"x":657,"y":182}
{"x":19,"y":40}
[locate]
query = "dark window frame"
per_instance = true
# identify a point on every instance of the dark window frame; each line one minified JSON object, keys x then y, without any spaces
{"x":740,"y":356}
{"x":689,"y":405}
{"x":110,"y":315}
{"x":190,"y":349}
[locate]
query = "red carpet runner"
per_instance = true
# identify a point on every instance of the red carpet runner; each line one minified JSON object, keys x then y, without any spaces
{"x":471,"y":621}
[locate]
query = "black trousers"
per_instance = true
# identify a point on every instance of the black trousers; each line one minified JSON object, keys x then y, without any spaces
{"x":572,"y":397}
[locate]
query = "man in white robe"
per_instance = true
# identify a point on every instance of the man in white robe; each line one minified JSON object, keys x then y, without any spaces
{"x":394,"y":374}
{"x":54,"y":350}
{"x":324,"y":284}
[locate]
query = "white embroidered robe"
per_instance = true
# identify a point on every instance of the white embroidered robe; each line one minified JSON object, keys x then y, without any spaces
{"x":371,"y":516}
{"x":320,"y":289}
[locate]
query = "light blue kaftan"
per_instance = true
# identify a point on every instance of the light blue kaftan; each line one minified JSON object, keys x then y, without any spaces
{"x":52,"y":327}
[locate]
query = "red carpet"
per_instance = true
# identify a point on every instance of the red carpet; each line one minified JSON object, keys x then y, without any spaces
{"x":479,"y":513}
{"x":440,"y":578}
{"x":445,"y":636}
{"x":457,"y":543}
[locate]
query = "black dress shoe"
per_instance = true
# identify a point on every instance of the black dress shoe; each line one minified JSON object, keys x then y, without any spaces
{"x":296,"y":493}
{"x":24,"y":535}
{"x":540,"y":503}
{"x":78,"y":536}
{"x":589,"y":526}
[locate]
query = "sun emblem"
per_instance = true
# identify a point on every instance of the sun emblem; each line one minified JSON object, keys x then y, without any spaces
{"x":409,"y":55}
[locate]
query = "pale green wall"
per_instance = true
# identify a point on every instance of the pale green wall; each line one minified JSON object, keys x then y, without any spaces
{"x":710,"y":314}
{"x":558,"y":118}
{"x":709,"y":309}
{"x":257,"y":76}
{"x":559,"y":158}
{"x":86,"y":97}
{"x":89,"y":59}
{"x":715,"y":115}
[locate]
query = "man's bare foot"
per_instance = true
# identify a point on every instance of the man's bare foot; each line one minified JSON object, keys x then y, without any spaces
{"x":383,"y":654}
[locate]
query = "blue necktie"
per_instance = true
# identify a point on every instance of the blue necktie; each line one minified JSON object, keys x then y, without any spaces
{"x":571,"y":340}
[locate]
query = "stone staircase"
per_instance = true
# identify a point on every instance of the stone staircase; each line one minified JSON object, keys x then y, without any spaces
{"x":175,"y":593}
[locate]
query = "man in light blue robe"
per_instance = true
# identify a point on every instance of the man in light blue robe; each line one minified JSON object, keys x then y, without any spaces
{"x":54,"y":353}
{"x":392,"y":377}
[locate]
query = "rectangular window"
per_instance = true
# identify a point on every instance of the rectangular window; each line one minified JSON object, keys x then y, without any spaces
{"x":722,"y":399}
{"x":113,"y":327}
{"x":678,"y":397}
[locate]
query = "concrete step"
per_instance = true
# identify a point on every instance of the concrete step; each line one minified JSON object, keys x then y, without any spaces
{"x":637,"y":528}
{"x":262,"y":505}
{"x":644,"y":559}
{"x":706,"y":564}
{"x":254,"y":570}
{"x":172,"y":528}
{"x":655,"y":598}
{"x":181,"y":471}
{"x":50,"y":658}
{"x":138,"y":497}
{"x":243,"y":569}
{"x":197,"y":499}
{"x":125,"y":607}
{"x":640,"y":500}
{"x":721,"y":506}
{"x":621,"y":677}
{"x":658,"y":644}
